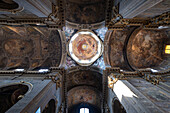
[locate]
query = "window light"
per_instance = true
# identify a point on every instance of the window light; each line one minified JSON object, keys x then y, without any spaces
{"x":19,"y":70}
{"x":84,"y":110}
{"x":167,"y":49}
{"x":38,"y":110}
{"x":153,"y":70}
{"x":43,"y":70}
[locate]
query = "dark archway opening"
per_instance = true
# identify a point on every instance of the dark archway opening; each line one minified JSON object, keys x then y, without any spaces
{"x":117,"y":107}
{"x":10,"y":95}
{"x":8,"y":4}
{"x":76,"y":108}
{"x":50,"y":107}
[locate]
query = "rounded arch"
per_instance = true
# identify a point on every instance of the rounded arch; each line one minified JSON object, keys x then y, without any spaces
{"x":115,"y":45}
{"x":80,"y":76}
{"x":10,"y":6}
{"x":117,"y":106}
{"x":31,"y":48}
{"x":85,"y":14}
{"x":11,"y":93}
{"x":50,"y":107}
{"x":145,"y":49}
{"x":76,"y":108}
{"x":84,"y":94}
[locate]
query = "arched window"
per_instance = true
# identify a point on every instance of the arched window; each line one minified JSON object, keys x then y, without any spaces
{"x":84,"y":110}
{"x":167,"y":49}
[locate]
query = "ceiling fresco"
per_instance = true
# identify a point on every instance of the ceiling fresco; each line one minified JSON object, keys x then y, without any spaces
{"x":86,"y":12}
{"x":75,"y":44}
{"x":116,"y":40}
{"x":85,"y":77}
{"x":145,"y":48}
{"x":32,"y":47}
{"x":142,"y":49}
{"x":83,"y":94}
{"x":69,"y":32}
{"x":29,"y":47}
{"x":85,"y":47}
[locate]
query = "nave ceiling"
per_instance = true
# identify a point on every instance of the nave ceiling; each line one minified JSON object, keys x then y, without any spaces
{"x":36,"y":35}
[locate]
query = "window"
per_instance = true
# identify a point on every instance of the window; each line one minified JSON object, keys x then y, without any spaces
{"x":19,"y":70}
{"x":38,"y":111}
{"x":167,"y":49}
{"x":43,"y":70}
{"x":84,"y":110}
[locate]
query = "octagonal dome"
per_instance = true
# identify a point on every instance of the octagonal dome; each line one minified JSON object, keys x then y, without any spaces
{"x":85,"y":47}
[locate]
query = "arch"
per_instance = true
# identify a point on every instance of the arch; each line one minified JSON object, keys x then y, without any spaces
{"x":11,"y":94}
{"x":80,"y":76}
{"x":50,"y":107}
{"x":79,"y":16}
{"x":10,"y":6}
{"x":117,"y":106}
{"x":84,"y":94}
{"x":145,"y":49}
{"x":31,"y":48}
{"x":76,"y":108}
{"x":115,"y":48}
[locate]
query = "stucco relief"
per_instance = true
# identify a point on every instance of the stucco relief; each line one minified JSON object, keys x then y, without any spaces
{"x":145,"y":48}
{"x":83,"y":94}
{"x":29,"y":47}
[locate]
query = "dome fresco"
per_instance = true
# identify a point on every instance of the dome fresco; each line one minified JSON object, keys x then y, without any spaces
{"x":85,"y":47}
{"x":69,"y":32}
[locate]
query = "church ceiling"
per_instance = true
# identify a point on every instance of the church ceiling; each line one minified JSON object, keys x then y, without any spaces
{"x":85,"y":12}
{"x":10,"y":9}
{"x":84,"y":77}
{"x":115,"y":44}
{"x":158,"y":9}
{"x":8,"y":4}
{"x":25,"y":14}
{"x":84,"y":94}
{"x":145,"y":49}
{"x":29,"y":47}
{"x":85,"y":47}
{"x":69,"y":32}
{"x":35,"y":34}
{"x":32,"y":47}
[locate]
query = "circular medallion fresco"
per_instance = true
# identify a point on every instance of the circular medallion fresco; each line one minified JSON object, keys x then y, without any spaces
{"x":85,"y":47}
